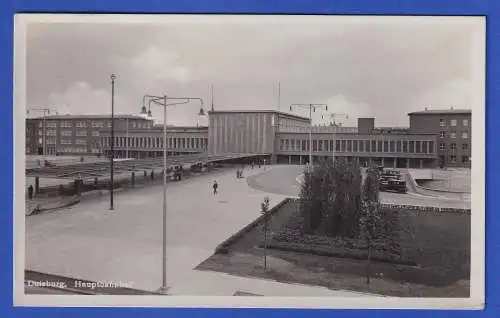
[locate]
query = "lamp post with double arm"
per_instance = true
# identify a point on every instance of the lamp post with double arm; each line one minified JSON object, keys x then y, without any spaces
{"x":312,"y":108}
{"x":334,"y":116}
{"x":163,"y":101}
{"x":45,"y":111}
{"x":112,"y":156}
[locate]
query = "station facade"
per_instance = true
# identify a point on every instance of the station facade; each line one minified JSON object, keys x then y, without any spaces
{"x":281,"y":137}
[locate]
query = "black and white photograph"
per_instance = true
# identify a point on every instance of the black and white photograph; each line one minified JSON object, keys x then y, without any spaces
{"x":250,"y":161}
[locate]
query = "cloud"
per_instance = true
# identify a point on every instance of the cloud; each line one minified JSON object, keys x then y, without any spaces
{"x":81,"y":96}
{"x":159,"y":65}
{"x":382,"y":70}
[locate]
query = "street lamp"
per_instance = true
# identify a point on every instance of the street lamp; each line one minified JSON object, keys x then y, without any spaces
{"x":111,"y":186}
{"x":163,"y":102}
{"x":45,"y":111}
{"x":334,"y":116}
{"x":312,"y":108}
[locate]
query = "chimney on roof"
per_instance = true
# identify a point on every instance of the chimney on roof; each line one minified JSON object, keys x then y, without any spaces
{"x":451,"y":108}
{"x":426,"y":108}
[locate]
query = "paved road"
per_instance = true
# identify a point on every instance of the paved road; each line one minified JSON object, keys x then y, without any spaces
{"x":90,"y":242}
{"x":283,"y":180}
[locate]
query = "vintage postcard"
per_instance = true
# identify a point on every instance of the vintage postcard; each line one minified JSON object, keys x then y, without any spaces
{"x":249,"y":161}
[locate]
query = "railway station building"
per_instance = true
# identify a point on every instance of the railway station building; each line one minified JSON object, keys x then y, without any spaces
{"x":285,"y":138}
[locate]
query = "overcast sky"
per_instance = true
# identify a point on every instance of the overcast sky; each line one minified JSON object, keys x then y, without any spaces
{"x":384,"y":70}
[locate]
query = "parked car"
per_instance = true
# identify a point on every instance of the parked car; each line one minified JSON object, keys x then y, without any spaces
{"x":394,"y":183}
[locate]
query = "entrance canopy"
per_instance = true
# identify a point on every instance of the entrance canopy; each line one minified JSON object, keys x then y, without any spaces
{"x":102,"y":169}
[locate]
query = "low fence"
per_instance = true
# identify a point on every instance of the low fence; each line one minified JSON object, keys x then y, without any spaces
{"x":123,"y":180}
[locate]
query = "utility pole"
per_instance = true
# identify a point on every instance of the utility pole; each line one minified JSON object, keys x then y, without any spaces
{"x":312,"y":108}
{"x":334,"y":116}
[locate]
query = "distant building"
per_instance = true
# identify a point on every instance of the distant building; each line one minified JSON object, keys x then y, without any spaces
{"x":453,"y":128}
{"x":75,"y":134}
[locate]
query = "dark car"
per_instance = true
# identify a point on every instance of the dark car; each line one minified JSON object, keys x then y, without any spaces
{"x":395,"y":184}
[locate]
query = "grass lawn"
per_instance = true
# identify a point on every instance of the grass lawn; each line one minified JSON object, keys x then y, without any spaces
{"x":439,"y":244}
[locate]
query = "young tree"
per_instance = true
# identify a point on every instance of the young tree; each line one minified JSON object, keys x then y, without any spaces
{"x":264,"y":209}
{"x":370,"y":219}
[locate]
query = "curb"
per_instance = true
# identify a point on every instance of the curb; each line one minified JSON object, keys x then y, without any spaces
{"x":223,"y":248}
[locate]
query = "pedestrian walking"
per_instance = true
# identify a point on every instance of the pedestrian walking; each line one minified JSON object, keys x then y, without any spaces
{"x":215,"y":186}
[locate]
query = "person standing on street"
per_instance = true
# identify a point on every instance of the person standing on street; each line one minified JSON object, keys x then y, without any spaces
{"x":215,"y":186}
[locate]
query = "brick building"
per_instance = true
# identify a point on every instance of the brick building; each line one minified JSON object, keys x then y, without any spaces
{"x":75,"y":134}
{"x":453,"y":128}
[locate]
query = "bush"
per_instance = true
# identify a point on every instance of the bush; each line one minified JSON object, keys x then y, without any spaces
{"x":331,"y":198}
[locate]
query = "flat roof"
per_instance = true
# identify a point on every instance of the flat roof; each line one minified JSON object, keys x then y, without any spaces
{"x":260,"y":112}
{"x":102,"y":169}
{"x":88,"y":116}
{"x":448,"y":111}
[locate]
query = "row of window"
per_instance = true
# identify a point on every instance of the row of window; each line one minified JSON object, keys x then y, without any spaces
{"x":68,"y":133}
{"x":157,"y":142}
{"x":93,"y":124}
{"x":73,"y":150}
{"x":70,"y":142}
{"x":453,"y":159}
{"x":453,"y":135}
{"x":453,"y":146}
{"x":406,"y":146}
{"x":453,"y":122}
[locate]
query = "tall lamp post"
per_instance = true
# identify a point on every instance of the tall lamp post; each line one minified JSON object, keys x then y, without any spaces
{"x":334,"y":116}
{"x":112,"y":176}
{"x":163,"y":101}
{"x":312,"y":108}
{"x":45,"y":112}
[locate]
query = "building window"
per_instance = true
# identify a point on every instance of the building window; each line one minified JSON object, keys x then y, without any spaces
{"x":349,"y":145}
{"x":308,"y":145}
{"x":97,"y":124}
{"x":442,"y":122}
{"x":465,"y":135}
{"x":465,"y":122}
{"x":453,"y":135}
{"x":442,"y":146}
{"x":442,"y":134}
{"x":361,"y":146}
{"x":303,"y":145}
{"x":418,"y":146}
{"x":392,"y":146}
{"x":412,"y":146}
{"x":453,"y":122}
{"x":453,"y":158}
{"x":386,"y":146}
{"x":374,"y":146}
{"x":66,"y":124}
{"x":81,"y":124}
{"x":367,"y":146}
{"x":315,"y":145}
{"x":337,"y":145}
{"x":66,"y":133}
{"x":81,"y":133}
{"x":465,"y":159}
{"x":343,"y":145}
{"x":320,"y":145}
{"x":431,"y":146}
{"x":95,"y":134}
{"x":286,"y":144}
{"x":355,"y":146}
{"x":465,"y":146}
